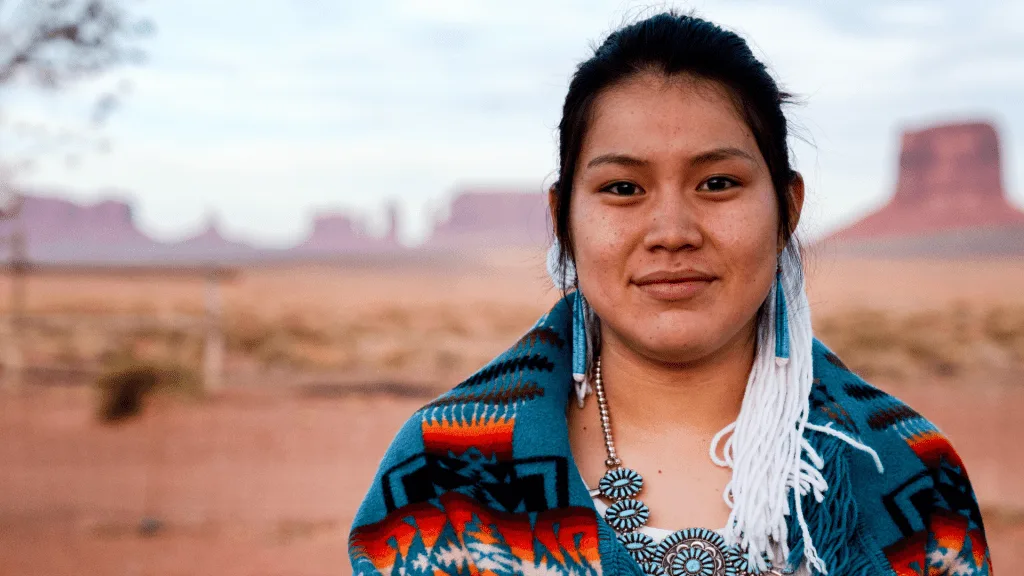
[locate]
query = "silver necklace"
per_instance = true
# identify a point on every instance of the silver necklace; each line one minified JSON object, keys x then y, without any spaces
{"x":689,"y":552}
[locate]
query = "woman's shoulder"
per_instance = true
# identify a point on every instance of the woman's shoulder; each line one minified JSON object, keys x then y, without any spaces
{"x":475,"y":419}
{"x":895,"y":430}
{"x":921,"y":505}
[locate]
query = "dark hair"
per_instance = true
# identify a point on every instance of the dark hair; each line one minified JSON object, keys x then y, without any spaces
{"x":671,"y":43}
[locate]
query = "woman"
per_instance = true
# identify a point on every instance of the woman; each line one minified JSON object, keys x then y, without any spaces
{"x":720,"y":437}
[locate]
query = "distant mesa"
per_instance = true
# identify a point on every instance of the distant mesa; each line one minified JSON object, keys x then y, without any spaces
{"x":48,"y":221}
{"x":58,"y":230}
{"x":340,"y":233}
{"x":489,"y":218}
{"x":949,"y":199}
{"x":63,"y":231}
{"x":211,"y":238}
{"x":209,"y":245}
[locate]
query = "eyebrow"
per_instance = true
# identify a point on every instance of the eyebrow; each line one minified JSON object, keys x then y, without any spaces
{"x":715,"y":155}
{"x":620,"y":159}
{"x":719,"y":154}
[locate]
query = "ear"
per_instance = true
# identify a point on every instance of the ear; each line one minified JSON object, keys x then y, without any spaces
{"x":553,"y":207}
{"x":796,"y":194}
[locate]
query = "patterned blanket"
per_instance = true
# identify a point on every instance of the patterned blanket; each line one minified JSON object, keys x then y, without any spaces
{"x":482,"y":481}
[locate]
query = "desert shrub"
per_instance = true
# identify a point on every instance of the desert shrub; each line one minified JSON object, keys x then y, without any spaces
{"x":393,"y":317}
{"x":124,"y":386}
{"x":446,"y":361}
{"x":304,"y":328}
{"x":246,"y":333}
{"x":945,"y":342}
{"x":1005,"y":327}
{"x":935,"y":341}
{"x":999,"y":325}
{"x":510,"y":321}
{"x":398,"y":357}
{"x":448,"y":321}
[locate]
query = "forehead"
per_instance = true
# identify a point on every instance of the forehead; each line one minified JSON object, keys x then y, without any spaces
{"x":653,"y":115}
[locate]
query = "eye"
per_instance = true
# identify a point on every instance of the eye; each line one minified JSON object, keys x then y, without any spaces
{"x":623,"y":189}
{"x":718,"y":184}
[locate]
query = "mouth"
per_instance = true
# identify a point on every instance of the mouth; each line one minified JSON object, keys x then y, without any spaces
{"x":674,"y":286}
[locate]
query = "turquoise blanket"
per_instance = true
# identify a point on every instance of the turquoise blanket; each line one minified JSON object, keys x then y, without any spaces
{"x":482,"y":481}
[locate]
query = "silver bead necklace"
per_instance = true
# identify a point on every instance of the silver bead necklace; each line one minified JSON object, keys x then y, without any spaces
{"x":689,"y":552}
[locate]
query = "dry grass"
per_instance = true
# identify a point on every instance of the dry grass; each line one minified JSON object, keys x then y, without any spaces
{"x":895,"y":319}
{"x":946,"y":342}
{"x":442,"y":341}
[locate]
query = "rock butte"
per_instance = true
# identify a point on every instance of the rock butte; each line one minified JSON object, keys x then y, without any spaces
{"x":489,"y":218}
{"x":949,"y":199}
{"x":59,"y":230}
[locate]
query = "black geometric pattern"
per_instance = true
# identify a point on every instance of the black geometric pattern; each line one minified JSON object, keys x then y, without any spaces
{"x":518,"y":485}
{"x":518,"y":392}
{"x":825,"y":402}
{"x":944,"y":487}
{"x":899,"y":414}
{"x":541,"y":334}
{"x":863,"y":392}
{"x":835,"y":361}
{"x":512,"y":365}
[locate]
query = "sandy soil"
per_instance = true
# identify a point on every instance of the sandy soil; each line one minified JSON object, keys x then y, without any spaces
{"x":263,"y":479}
{"x":267,"y":483}
{"x":514,"y":280}
{"x":242,"y":484}
{"x":839,"y":284}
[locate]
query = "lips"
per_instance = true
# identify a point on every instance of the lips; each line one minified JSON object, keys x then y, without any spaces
{"x":674,"y":285}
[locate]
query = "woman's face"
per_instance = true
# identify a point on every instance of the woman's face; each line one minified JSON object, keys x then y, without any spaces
{"x":674,"y":218}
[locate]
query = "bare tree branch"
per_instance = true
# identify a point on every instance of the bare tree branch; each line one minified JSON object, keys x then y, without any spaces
{"x":51,"y":44}
{"x":67,"y":40}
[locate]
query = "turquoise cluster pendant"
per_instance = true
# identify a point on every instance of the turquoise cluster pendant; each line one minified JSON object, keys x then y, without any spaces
{"x":690,"y":552}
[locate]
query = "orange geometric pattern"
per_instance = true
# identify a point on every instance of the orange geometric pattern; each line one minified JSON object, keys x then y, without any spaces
{"x":459,"y":536}
{"x":492,"y":436}
{"x":947,"y":546}
{"x":932,"y":448}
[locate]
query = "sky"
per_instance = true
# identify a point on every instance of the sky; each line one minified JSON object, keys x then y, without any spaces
{"x":258,"y":113}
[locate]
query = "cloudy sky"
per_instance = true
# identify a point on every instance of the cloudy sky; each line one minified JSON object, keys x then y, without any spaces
{"x":262,"y":111}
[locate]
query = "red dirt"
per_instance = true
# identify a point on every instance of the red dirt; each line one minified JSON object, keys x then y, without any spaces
{"x":244,"y":484}
{"x":267,"y":483}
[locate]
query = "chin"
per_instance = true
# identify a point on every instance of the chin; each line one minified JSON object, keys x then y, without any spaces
{"x":676,"y":347}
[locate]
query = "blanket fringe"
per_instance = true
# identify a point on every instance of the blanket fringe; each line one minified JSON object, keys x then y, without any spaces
{"x":833,"y":521}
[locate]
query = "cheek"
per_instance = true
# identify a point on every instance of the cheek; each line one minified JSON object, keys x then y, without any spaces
{"x":604,"y":241}
{"x":746,"y":240}
{"x":748,"y":231}
{"x":600,"y":238}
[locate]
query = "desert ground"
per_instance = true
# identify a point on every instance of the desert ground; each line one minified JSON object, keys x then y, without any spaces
{"x":324,"y":363}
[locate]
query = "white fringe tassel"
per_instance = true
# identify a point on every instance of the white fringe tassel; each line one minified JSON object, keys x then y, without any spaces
{"x":765,"y":447}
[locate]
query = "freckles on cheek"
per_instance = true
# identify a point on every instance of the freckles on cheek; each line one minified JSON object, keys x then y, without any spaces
{"x":600,"y":258}
{"x":593,"y":235}
{"x":748,"y":234}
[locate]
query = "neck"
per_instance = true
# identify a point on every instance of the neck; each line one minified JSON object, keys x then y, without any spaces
{"x":702,"y":396}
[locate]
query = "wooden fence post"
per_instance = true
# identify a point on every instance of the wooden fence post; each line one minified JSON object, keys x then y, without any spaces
{"x":13,"y":333}
{"x":213,"y":355}
{"x":9,"y":355}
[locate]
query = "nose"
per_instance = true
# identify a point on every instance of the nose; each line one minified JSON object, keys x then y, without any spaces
{"x":672,"y":223}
